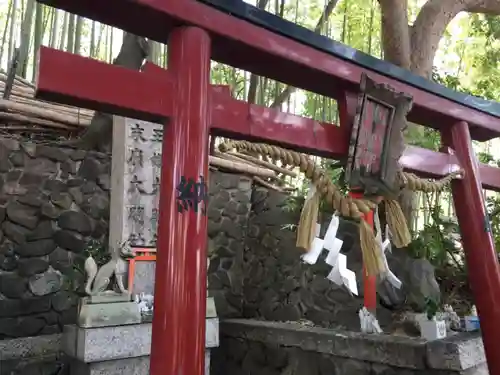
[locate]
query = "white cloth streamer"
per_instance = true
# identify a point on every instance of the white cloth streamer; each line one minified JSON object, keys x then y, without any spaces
{"x":368,"y":322}
{"x":340,"y":275}
{"x":311,"y":257}
{"x":331,"y":232}
{"x":383,"y":247}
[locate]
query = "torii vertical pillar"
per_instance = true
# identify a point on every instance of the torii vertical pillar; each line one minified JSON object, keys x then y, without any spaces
{"x":178,"y":334}
{"x":482,"y":261}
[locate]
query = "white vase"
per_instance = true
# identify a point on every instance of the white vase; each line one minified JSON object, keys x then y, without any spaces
{"x":471,"y":323}
{"x":432,"y":329}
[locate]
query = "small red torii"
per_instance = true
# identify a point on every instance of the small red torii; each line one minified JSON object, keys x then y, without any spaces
{"x":183,"y":99}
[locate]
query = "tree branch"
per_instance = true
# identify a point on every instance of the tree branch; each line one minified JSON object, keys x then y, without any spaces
{"x":289,"y":90}
{"x":395,"y":32}
{"x":428,"y":30}
{"x":99,"y":135}
{"x":431,"y":24}
{"x":491,"y":7}
{"x":254,"y":79}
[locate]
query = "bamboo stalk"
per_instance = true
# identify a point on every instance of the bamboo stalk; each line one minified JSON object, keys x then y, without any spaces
{"x":38,"y":112}
{"x":263,"y":163}
{"x":235,"y":157}
{"x":26,"y":93}
{"x":31,"y":129}
{"x":232,"y":157}
{"x":227,"y":156}
{"x":267,"y":184}
{"x":82,"y":117}
{"x":19,"y":87}
{"x":35,"y":121}
{"x":240,"y":167}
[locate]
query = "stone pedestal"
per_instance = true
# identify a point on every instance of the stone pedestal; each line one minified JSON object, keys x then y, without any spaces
{"x":104,"y":311}
{"x":120,"y":350}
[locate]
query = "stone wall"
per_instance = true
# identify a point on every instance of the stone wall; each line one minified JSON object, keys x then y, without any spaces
{"x":278,"y":286}
{"x":39,"y":355}
{"x":52,"y":201}
{"x":228,"y":212}
{"x":258,"y":347}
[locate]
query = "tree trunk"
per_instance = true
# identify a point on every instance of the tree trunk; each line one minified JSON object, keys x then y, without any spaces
{"x":99,"y":134}
{"x":414,"y":48}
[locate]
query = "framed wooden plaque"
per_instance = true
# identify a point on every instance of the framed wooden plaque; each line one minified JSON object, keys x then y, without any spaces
{"x":377,"y":141}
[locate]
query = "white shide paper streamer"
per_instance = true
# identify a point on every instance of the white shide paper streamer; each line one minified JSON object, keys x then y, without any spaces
{"x":339,"y":274}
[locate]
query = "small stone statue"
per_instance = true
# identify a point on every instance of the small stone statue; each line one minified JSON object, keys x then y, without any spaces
{"x":451,"y":318}
{"x":98,"y":279}
{"x":473,"y":311}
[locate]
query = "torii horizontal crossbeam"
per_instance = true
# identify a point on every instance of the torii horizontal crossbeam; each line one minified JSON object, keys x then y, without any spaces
{"x":250,"y":47}
{"x":75,"y":80}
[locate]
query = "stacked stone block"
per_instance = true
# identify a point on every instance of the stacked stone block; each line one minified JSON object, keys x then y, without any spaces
{"x":228,"y":211}
{"x":52,"y":201}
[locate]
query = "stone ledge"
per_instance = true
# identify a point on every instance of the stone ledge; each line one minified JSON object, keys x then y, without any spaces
{"x":389,"y":350}
{"x":125,"y":366}
{"x":110,"y":343}
{"x":30,"y":347}
{"x":457,"y":353}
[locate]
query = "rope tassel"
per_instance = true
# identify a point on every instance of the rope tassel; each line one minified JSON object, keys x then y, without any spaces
{"x":374,"y":264}
{"x":306,"y":230}
{"x":397,"y":223}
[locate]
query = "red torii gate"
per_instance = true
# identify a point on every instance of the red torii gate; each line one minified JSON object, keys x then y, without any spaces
{"x":183,"y":95}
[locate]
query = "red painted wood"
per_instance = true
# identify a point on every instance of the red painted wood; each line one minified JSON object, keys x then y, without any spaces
{"x":74,"y":80}
{"x":481,"y":257}
{"x":60,"y":79}
{"x":178,"y":334}
{"x":258,"y":50}
{"x":238,"y":120}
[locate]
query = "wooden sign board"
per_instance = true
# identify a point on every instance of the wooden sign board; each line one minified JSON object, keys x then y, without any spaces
{"x":377,"y":141}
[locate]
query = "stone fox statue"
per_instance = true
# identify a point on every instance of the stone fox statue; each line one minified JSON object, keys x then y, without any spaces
{"x":98,"y":279}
